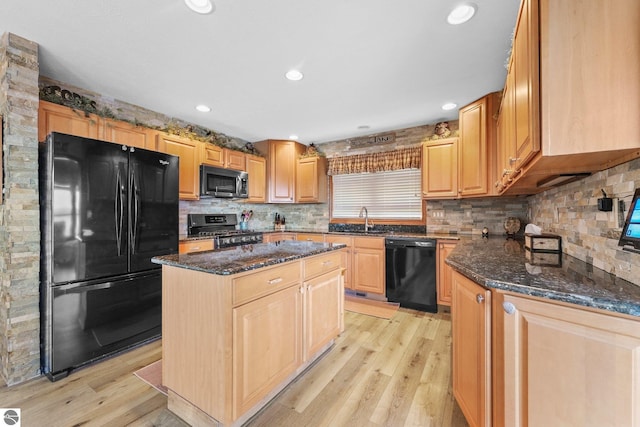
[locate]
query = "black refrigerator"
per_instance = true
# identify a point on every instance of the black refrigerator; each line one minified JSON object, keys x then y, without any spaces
{"x":105,"y":210}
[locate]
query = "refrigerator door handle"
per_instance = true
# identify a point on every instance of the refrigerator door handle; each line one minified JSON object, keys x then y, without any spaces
{"x":134,"y":196}
{"x":119,"y":206}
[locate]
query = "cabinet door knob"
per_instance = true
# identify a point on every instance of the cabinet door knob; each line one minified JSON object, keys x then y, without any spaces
{"x":479,"y":298}
{"x":508,"y":307}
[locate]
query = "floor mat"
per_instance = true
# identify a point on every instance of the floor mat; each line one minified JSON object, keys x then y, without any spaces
{"x":385,"y":310}
{"x":152,"y":375}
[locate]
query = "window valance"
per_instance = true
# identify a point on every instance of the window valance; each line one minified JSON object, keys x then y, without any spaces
{"x":401,"y":158}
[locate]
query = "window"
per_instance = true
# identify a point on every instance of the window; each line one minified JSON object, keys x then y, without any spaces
{"x":389,"y":195}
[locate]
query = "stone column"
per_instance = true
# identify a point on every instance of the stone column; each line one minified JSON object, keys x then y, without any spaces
{"x":19,"y":211}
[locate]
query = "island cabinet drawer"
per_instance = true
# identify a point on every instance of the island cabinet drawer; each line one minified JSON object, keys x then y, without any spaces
{"x":320,"y":264}
{"x":265,"y":281}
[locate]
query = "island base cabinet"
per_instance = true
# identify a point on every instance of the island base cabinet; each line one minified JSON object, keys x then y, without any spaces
{"x":566,"y":366}
{"x":323,"y":313}
{"x":267,"y":336}
{"x":231,"y":343}
{"x":471,"y":342}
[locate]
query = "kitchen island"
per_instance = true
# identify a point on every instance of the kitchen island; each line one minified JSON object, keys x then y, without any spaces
{"x":240,"y":324}
{"x":544,"y":344}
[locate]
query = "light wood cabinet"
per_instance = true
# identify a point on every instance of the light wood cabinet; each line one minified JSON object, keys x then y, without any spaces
{"x":477,"y":147}
{"x":310,"y":237}
{"x":277,"y":236}
{"x":311,"y":180}
{"x":127,"y":134}
{"x":347,"y":256}
{"x":188,"y":151}
{"x":565,"y":86}
{"x":440,"y":169}
{"x":230,"y":342}
{"x":567,"y":366}
{"x":282,"y":157}
{"x":213,"y":155}
{"x":195,"y":246}
{"x":444,"y":272}
{"x":58,"y":118}
{"x":235,"y":160}
{"x":257,"y":171}
{"x":471,"y":348}
{"x":323,"y":296}
{"x":369,"y":265}
{"x":267,"y":345}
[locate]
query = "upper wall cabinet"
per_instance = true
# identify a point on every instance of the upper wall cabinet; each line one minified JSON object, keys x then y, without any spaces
{"x":440,"y":169}
{"x":570,"y":103}
{"x":188,"y":151}
{"x":127,"y":134}
{"x":222,"y":157}
{"x":311,"y":180}
{"x":477,"y":147}
{"x":257,"y":170}
{"x":282,"y":157}
{"x":58,"y":118}
{"x":464,"y":166}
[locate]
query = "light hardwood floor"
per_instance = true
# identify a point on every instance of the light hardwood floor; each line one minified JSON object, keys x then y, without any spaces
{"x":379,"y":373}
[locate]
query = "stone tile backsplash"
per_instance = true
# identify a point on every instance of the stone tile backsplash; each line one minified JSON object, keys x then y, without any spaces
{"x":588,"y":234}
{"x":470,"y":216}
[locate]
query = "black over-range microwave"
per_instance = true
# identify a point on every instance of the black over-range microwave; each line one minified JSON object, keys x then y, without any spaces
{"x":220,"y":182}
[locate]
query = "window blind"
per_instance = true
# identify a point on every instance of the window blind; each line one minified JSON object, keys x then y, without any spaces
{"x":389,"y":195}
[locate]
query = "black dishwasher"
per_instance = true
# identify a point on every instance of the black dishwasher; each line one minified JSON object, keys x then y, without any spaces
{"x":411,"y":272}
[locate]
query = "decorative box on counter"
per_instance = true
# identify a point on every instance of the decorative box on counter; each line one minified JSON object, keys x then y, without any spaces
{"x":543,"y":242}
{"x":544,"y":259}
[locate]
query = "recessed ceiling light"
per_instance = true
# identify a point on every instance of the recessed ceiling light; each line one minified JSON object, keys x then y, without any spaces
{"x":449,"y":106}
{"x":462,"y":13}
{"x":200,"y":6}
{"x":364,"y":127}
{"x":294,"y":75}
{"x":293,"y":137}
{"x":203,"y":108}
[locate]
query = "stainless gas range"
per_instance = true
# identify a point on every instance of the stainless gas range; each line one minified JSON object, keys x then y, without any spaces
{"x":222,"y":229}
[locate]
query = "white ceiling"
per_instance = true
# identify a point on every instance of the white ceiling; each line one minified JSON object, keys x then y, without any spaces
{"x":384,"y":64}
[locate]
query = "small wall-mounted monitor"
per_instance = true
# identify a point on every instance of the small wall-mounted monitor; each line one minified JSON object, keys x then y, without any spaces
{"x":630,"y":238}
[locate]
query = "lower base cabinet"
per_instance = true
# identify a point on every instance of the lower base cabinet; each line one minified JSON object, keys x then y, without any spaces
{"x":471,"y":348}
{"x":267,"y":336}
{"x":530,"y":362}
{"x":566,"y":366}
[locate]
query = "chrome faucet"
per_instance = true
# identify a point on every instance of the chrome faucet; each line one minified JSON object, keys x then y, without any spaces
{"x":366,"y":218}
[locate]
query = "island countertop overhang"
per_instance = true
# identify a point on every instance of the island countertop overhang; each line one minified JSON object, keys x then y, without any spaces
{"x":247,"y":257}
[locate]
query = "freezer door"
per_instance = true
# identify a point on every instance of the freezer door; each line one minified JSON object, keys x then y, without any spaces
{"x":86,"y":321}
{"x":153,"y":226}
{"x":87,"y":218}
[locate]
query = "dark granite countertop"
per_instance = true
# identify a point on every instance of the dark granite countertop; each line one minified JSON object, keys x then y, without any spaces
{"x":502,"y":264}
{"x":247,"y":257}
{"x":439,"y":236}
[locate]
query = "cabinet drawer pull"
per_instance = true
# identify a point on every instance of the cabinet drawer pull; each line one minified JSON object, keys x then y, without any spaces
{"x":327,"y":263}
{"x":274,"y":281}
{"x":508,"y":307}
{"x":479,"y":298}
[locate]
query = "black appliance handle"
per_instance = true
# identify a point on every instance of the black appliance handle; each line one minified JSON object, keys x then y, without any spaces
{"x":119,"y":214}
{"x":134,"y":222}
